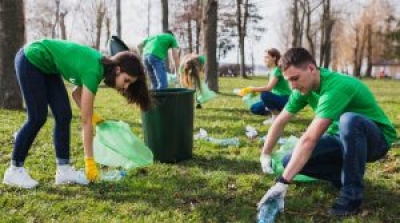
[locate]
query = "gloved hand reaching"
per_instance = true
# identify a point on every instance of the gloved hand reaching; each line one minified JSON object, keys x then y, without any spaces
{"x":96,"y":119}
{"x":278,"y":192}
{"x":245,"y":91}
{"x":92,"y":173}
{"x":266,"y":164}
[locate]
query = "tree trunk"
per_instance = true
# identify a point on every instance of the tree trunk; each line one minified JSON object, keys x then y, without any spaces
{"x":368,"y":72}
{"x":54,"y":25}
{"x":63,"y":28}
{"x":210,"y":20}
{"x":295,"y":25}
{"x":118,"y":17}
{"x":326,"y":36}
{"x":241,"y":26}
{"x":309,"y":35}
{"x":190,"y":35}
{"x":101,"y":11}
{"x":164,"y":5}
{"x":198,"y":25}
{"x":12,"y":37}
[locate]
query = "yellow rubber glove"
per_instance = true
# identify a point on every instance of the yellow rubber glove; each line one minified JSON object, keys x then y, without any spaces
{"x":96,"y":119}
{"x":245,"y":91}
{"x":92,"y":173}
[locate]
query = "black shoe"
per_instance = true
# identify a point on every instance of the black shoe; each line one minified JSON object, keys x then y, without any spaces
{"x":198,"y":106}
{"x":344,"y":207}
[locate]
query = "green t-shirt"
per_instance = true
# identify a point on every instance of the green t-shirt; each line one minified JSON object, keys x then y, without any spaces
{"x":78,"y":64}
{"x":281,"y":87}
{"x":338,"y":94}
{"x":158,"y":45}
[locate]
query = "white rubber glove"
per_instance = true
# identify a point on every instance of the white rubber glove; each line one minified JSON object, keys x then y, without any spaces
{"x":266,"y":164}
{"x":278,"y":191}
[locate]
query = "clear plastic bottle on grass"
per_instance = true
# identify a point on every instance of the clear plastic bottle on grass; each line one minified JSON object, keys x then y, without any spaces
{"x":225,"y":142}
{"x":112,"y":175}
{"x":268,"y":211}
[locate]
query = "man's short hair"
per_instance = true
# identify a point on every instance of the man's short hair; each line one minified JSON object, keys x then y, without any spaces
{"x":297,"y":57}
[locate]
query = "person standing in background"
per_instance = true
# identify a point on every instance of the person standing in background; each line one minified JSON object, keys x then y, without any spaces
{"x":155,"y":51}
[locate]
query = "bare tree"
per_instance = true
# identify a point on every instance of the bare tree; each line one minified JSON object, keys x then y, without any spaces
{"x":165,"y":24}
{"x":118,"y":17}
{"x":210,"y":21}
{"x":12,"y":37}
{"x":53,"y":29}
{"x":241,"y":22}
{"x":326,"y":34}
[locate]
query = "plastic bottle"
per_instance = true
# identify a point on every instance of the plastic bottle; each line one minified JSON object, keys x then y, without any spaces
{"x":268,"y":211}
{"x":112,"y":175}
{"x":225,"y":142}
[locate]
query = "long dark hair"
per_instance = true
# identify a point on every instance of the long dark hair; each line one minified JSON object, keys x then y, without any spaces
{"x":191,"y":71}
{"x":137,"y":92}
{"x":274,"y":53}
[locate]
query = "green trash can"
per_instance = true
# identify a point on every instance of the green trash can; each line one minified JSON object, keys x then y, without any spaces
{"x":168,"y":125}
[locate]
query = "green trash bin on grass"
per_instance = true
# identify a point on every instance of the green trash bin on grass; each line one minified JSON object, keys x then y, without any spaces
{"x":168,"y":125}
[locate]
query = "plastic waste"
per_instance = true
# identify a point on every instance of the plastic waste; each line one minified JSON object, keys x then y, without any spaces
{"x":236,"y":91}
{"x":251,"y":99}
{"x":251,"y":132}
{"x":112,"y":175}
{"x":116,"y":146}
{"x":287,"y":145}
{"x":206,"y":94}
{"x":225,"y":142}
{"x":201,"y":135}
{"x":268,"y":211}
{"x":173,"y":81}
{"x":221,"y":142}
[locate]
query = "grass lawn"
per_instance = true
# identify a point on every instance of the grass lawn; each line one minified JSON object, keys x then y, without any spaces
{"x":220,"y":184}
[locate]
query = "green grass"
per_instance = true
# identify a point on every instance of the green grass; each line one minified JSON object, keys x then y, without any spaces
{"x":217,"y":185}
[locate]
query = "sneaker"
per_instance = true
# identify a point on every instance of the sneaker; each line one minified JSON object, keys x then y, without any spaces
{"x":344,"y":207}
{"x":269,"y":121}
{"x":19,"y":177}
{"x":66,"y":174}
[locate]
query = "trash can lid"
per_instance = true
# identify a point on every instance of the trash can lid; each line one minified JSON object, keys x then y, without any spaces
{"x":172,"y":91}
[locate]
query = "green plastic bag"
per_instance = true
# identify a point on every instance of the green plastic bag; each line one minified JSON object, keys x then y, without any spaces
{"x":285,"y":149}
{"x":251,"y":99}
{"x":116,"y":146}
{"x":206,"y":94}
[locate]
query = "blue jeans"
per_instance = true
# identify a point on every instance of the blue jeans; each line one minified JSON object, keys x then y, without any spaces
{"x":41,"y":90}
{"x":157,"y":72}
{"x":341,"y":159}
{"x":271,"y":102}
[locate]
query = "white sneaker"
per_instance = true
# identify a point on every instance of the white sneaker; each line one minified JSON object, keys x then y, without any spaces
{"x":269,"y":121}
{"x":19,"y":177}
{"x":66,"y":174}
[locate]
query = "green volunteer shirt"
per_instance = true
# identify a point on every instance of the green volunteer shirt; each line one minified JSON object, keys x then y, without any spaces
{"x":338,"y":94}
{"x":158,"y":45}
{"x":281,"y":88}
{"x":78,"y":64}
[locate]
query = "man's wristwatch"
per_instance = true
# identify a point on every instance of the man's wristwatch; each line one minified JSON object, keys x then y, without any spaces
{"x":280,"y":179}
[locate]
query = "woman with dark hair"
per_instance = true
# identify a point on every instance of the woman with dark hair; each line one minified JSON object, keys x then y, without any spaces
{"x":191,"y":75}
{"x":41,"y":67}
{"x":191,"y":70}
{"x":276,"y":93}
